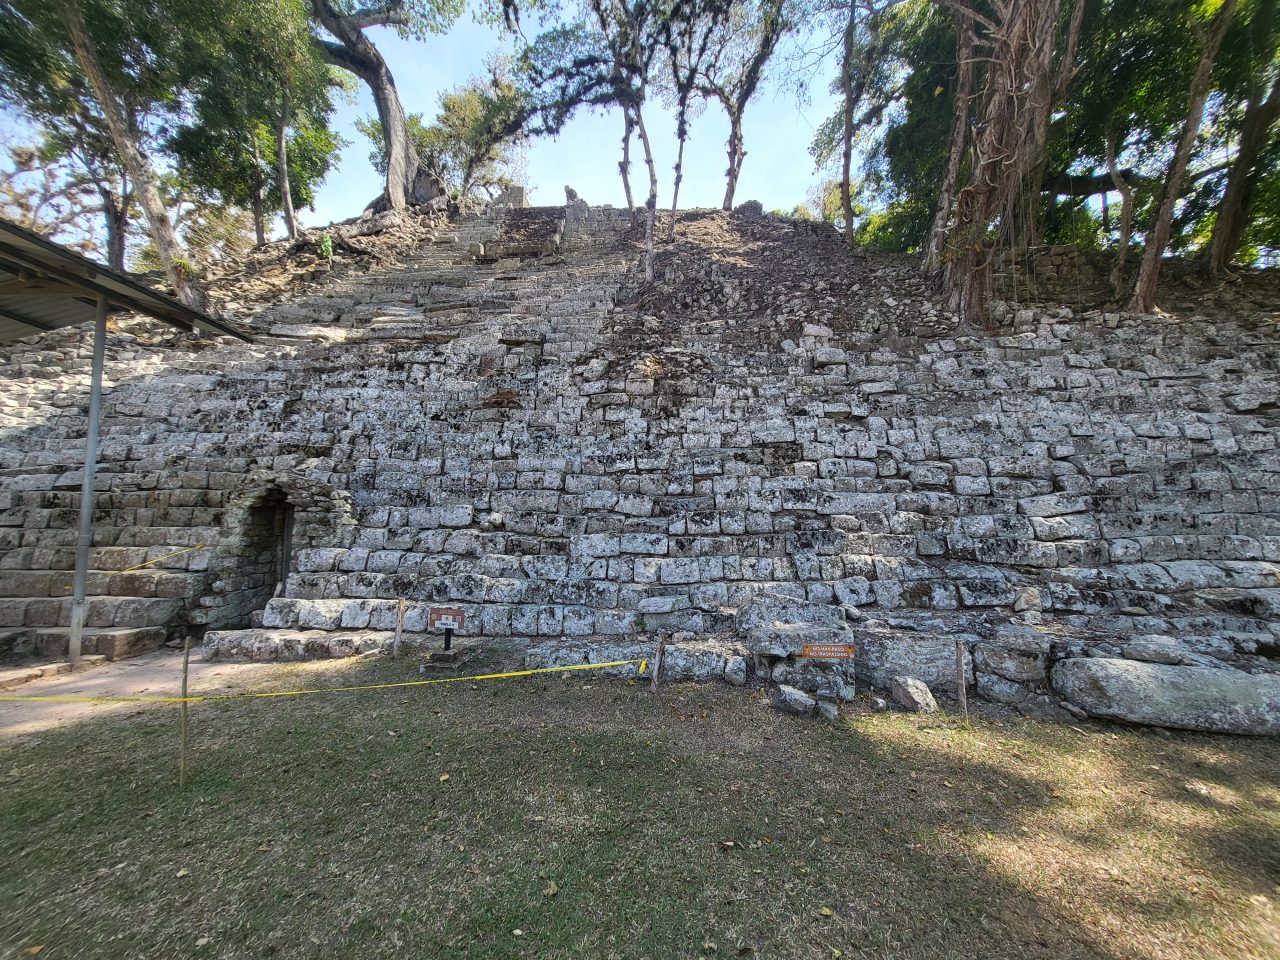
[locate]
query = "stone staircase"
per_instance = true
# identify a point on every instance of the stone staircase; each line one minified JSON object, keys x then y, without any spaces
{"x":470,"y":335}
{"x":480,"y":425}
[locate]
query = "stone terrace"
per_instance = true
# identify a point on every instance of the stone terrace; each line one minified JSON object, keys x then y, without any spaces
{"x":497,"y":422}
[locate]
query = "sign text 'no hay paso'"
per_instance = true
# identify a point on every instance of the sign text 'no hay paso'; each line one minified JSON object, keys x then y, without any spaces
{"x":828,"y":651}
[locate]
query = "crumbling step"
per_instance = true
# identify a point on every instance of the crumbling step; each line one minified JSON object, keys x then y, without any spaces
{"x":269,"y":644}
{"x":115,"y":643}
{"x":103,"y":611}
{"x":152,"y":582}
{"x":11,"y":677}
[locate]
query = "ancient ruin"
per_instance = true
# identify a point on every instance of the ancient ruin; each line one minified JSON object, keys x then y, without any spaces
{"x":776,"y":445}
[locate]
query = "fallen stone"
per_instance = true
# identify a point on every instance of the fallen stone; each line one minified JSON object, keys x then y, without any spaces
{"x":831,"y":679}
{"x":1187,"y":698}
{"x":829,"y":710}
{"x":999,"y":690}
{"x":913,"y":694}
{"x":790,"y":700}
{"x":735,"y":671}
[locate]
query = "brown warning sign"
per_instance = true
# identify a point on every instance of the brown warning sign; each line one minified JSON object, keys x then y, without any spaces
{"x":828,"y":651}
{"x":446,"y":618}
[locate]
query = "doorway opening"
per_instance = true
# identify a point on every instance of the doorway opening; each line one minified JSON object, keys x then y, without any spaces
{"x":253,"y":561}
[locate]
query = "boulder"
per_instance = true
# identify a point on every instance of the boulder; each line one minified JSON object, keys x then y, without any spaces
{"x":883,"y":654}
{"x":1021,"y":666}
{"x":775,"y":609}
{"x":913,"y":694}
{"x":999,"y":690}
{"x":557,"y":653}
{"x":1218,"y":700}
{"x":692,"y":662}
{"x":789,"y":639}
{"x":735,"y":671}
{"x":790,"y":700}
{"x":830,"y":679}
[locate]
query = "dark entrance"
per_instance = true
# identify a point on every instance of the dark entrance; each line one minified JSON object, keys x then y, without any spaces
{"x":269,"y":530}
{"x":252,"y":563}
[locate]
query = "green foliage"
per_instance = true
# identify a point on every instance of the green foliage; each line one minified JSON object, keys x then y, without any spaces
{"x":227,"y":149}
{"x":209,"y":231}
{"x":470,"y":145}
{"x":574,"y":65}
{"x":200,"y":79}
{"x":421,"y":18}
{"x":1136,"y":57}
{"x":1071,"y":220}
{"x":901,"y":226}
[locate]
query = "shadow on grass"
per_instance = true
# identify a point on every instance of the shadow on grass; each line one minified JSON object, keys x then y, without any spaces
{"x":594,"y":818}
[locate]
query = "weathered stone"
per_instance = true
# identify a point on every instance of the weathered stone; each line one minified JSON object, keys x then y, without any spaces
{"x":884,"y":654}
{"x":789,"y":639}
{"x":913,"y":694}
{"x":831,"y":679}
{"x":1156,"y":649}
{"x":1021,"y":666}
{"x":701,"y":662}
{"x":1188,"y":698}
{"x":790,"y":700}
{"x":999,"y":690}
{"x":782,"y":451}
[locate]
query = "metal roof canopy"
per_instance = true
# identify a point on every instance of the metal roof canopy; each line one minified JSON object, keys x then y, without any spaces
{"x":44,"y":287}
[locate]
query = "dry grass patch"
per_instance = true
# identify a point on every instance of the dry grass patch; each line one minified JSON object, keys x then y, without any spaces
{"x":601,"y":821}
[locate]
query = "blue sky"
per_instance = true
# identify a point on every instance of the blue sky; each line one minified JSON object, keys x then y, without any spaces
{"x":778,"y":170}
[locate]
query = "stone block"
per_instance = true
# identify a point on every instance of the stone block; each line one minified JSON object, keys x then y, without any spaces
{"x":913,"y":694}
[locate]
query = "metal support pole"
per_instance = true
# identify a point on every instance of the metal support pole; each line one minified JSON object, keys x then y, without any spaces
{"x":448,"y":638}
{"x":79,"y":602}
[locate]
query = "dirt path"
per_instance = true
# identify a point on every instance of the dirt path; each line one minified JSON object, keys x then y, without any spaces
{"x":156,"y":674}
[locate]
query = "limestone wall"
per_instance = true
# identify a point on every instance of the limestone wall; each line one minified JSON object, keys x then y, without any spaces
{"x":482,"y":435}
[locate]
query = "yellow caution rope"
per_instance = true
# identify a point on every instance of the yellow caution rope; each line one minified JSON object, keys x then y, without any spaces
{"x":367,"y":686}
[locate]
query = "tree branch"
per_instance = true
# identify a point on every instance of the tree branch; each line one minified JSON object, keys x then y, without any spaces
{"x":389,"y":15}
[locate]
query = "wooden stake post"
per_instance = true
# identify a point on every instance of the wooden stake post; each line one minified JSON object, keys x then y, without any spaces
{"x":182,"y":723}
{"x":395,"y":645}
{"x":962,"y":691}
{"x":657,"y":664}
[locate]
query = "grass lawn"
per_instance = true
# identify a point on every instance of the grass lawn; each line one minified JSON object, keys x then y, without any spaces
{"x":550,"y":817}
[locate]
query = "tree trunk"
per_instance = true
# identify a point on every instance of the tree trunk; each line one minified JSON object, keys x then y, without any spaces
{"x":1021,"y":86}
{"x":624,"y":165}
{"x":135,"y":165}
{"x":651,"y":204}
{"x":259,"y":201}
{"x":1233,"y":211}
{"x":354,"y":52}
{"x":736,"y":155}
{"x":1126,"y":217}
{"x":1144,"y":291}
{"x":846,"y":143}
{"x":115,"y":213}
{"x":675,"y":188}
{"x":282,"y":168}
{"x":955,"y":151}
